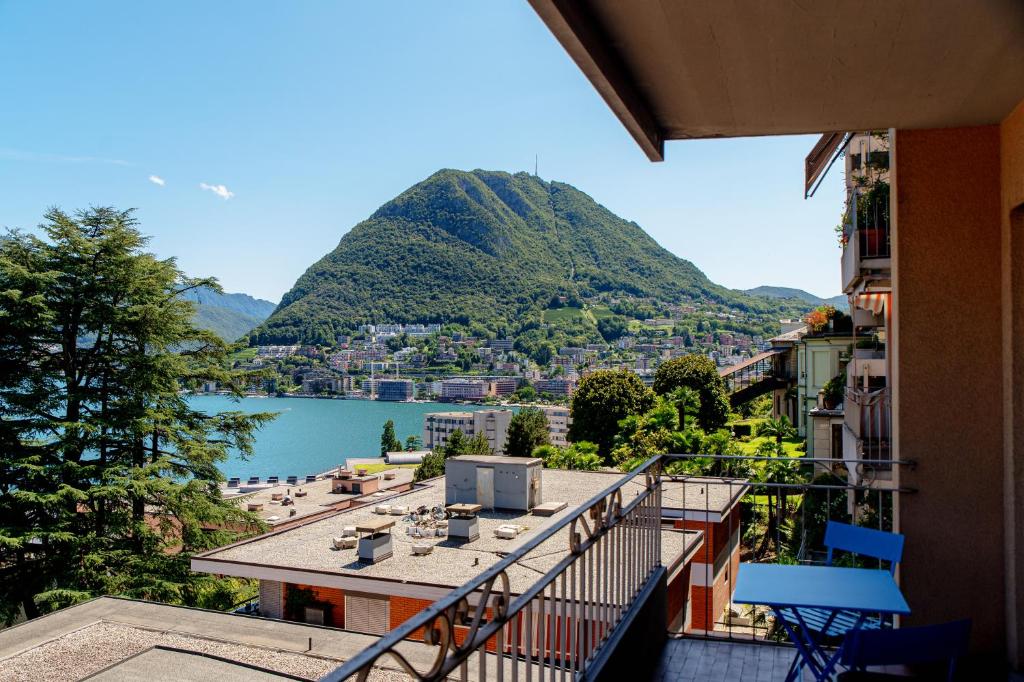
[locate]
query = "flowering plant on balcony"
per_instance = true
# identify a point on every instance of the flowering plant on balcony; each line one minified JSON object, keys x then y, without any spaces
{"x":819,"y":318}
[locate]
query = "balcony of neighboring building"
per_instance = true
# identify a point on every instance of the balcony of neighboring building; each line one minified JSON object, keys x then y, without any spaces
{"x":865,"y":236}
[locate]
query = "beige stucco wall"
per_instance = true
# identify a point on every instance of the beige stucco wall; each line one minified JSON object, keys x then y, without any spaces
{"x":1012,"y":161}
{"x":948,"y":384}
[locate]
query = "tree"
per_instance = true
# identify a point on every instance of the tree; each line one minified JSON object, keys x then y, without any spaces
{"x":779,"y":429}
{"x":699,"y":373}
{"x":580,"y":456}
{"x":526,"y":394}
{"x":413,"y":443}
{"x":687,"y":402}
{"x":108,"y":475}
{"x":527,"y":430}
{"x":388,"y":440}
{"x":456,"y":445}
{"x":611,"y":328}
{"x":601,"y":400}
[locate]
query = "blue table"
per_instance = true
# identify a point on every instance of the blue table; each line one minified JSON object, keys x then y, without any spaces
{"x":785,"y":587}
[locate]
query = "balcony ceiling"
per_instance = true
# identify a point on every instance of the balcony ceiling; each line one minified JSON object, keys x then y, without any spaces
{"x":680,"y":69}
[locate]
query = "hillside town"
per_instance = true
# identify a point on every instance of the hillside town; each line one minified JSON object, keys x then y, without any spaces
{"x":399,"y":362}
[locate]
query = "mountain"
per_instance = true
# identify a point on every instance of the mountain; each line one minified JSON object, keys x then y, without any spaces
{"x":489,"y":251}
{"x":231,"y":316}
{"x":839,"y":302}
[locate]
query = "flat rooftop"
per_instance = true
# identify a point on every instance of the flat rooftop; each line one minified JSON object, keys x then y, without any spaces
{"x":114,"y":639}
{"x":306,"y":551}
{"x":117,"y":639}
{"x":702,"y":498}
{"x":318,"y":498}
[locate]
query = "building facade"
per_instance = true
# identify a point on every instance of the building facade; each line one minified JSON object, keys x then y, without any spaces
{"x":395,"y":389}
{"x":559,"y":421}
{"x":439,"y":426}
{"x":464,"y":389}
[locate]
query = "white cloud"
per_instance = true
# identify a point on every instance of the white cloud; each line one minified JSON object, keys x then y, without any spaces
{"x":220,"y":190}
{"x":157,"y":180}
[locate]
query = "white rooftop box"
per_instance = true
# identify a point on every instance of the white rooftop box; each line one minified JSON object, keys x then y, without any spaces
{"x":494,"y":482}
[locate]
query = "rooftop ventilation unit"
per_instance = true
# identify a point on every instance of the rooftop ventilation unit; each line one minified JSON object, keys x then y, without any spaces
{"x":494,"y":482}
{"x":375,"y":544}
{"x":464,"y":525}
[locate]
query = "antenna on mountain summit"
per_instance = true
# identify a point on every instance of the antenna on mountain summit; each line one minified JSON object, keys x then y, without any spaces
{"x":535,"y":158}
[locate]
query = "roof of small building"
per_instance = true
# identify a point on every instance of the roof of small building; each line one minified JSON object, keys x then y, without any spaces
{"x":318,"y":498}
{"x":702,"y":498}
{"x":117,"y":638}
{"x":309,"y":548}
{"x":498,"y":459}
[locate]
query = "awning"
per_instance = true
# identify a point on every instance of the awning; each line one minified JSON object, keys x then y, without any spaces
{"x":876,"y":303}
{"x":820,"y":159}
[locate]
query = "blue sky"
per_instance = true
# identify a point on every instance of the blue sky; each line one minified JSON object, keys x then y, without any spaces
{"x":274,"y":127}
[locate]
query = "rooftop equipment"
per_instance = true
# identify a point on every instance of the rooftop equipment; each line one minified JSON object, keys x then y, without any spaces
{"x":494,"y":482}
{"x":464,"y":524}
{"x":376,"y":544}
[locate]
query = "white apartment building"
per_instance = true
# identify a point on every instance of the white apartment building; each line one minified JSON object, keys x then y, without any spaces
{"x":464,"y":389}
{"x":558,"y":424}
{"x":438,"y":426}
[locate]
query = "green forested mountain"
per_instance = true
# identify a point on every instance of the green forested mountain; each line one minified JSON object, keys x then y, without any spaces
{"x":800,"y":295}
{"x":230,"y":316}
{"x":490,"y":251}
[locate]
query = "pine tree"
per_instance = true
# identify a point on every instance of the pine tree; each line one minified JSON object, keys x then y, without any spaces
{"x":108,"y":476}
{"x":527,"y":430}
{"x":388,"y":440}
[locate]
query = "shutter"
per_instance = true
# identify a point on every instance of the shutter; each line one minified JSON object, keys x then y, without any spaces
{"x":367,"y":615}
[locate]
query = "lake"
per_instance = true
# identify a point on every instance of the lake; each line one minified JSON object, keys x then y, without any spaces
{"x":311,"y":435}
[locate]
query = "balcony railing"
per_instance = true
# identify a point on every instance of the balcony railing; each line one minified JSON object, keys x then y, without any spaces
{"x":563,"y":622}
{"x":869,"y":420}
{"x":569,"y":623}
{"x":865,"y":234}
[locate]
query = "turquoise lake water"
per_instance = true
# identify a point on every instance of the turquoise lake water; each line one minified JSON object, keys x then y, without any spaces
{"x":310,"y":435}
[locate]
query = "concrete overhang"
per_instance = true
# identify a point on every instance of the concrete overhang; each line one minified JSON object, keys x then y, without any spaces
{"x":683,"y":69}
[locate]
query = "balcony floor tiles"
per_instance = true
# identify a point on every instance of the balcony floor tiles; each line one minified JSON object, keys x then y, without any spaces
{"x":698,"y":660}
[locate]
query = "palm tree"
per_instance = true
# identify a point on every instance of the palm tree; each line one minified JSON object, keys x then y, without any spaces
{"x":779,"y":429}
{"x":687,"y":401}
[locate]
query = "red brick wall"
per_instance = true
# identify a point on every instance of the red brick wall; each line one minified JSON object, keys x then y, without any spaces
{"x":678,"y":591}
{"x":707,"y":603}
{"x":403,"y":608}
{"x":327,"y":595}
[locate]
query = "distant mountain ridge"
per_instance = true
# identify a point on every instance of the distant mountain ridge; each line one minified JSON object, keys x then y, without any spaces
{"x":487,"y":250}
{"x":839,"y":301}
{"x":231,"y":316}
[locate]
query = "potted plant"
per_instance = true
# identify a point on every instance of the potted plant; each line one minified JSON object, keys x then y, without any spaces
{"x":832,"y":391}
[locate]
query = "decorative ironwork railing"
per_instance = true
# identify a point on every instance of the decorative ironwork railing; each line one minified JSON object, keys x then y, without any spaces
{"x":561,"y":624}
{"x":567,"y":622}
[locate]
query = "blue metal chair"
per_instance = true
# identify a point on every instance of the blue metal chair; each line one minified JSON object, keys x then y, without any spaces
{"x":931,"y":644}
{"x":842,"y":537}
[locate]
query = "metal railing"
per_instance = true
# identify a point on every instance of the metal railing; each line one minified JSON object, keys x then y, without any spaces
{"x":781,"y":508}
{"x":866,"y":232}
{"x":560,"y":626}
{"x":869,"y":418}
{"x":567,"y":623}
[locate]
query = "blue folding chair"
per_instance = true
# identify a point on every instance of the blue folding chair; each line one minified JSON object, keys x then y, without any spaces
{"x":842,"y":537}
{"x":915,"y":647}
